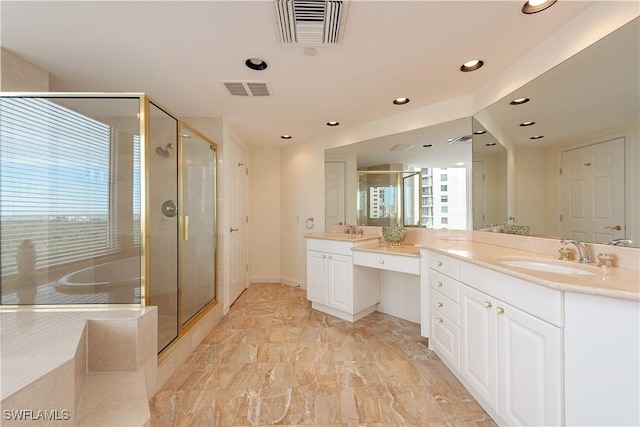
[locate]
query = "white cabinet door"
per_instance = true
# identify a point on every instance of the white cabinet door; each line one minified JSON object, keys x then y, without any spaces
{"x":317,"y":282}
{"x":530,"y":369}
{"x":340,"y":278}
{"x":478,"y":343}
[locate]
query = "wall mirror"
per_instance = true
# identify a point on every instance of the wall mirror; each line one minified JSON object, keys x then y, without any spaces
{"x":573,"y":147}
{"x":434,"y":164}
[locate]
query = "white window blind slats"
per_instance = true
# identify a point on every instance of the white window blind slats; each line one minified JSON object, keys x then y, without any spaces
{"x":54,"y":182}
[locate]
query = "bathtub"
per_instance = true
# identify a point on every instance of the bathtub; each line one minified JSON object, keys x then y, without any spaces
{"x":118,"y":278}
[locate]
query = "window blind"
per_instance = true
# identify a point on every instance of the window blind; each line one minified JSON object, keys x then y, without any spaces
{"x":54,"y":181}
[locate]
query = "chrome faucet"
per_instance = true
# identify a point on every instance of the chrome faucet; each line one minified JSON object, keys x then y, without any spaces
{"x":582,"y":250}
{"x":620,"y":242}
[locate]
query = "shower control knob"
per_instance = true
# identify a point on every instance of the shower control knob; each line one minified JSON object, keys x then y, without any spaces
{"x":170,"y":208}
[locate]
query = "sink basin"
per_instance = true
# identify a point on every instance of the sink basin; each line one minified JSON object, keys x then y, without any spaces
{"x":548,"y":265}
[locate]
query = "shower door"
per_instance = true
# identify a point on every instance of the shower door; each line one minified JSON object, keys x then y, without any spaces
{"x":162,"y":231}
{"x":198,"y":223}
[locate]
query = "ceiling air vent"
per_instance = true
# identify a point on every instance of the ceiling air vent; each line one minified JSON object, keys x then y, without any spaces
{"x":239,"y":88}
{"x":313,"y":22}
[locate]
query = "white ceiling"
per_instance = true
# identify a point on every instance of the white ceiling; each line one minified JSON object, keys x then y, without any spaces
{"x":179,"y":53}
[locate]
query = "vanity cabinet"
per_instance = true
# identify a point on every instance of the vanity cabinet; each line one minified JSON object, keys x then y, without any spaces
{"x":500,"y":335}
{"x":443,"y":288}
{"x":334,"y":286}
{"x":511,"y":359}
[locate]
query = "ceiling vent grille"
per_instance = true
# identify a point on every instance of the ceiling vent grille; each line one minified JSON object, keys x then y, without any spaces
{"x":238,"y":88}
{"x":311,"y":22}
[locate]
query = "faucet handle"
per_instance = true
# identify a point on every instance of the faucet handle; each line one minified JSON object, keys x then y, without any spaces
{"x":566,"y":254}
{"x":605,"y":260}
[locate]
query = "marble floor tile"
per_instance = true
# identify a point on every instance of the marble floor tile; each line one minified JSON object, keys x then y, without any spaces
{"x":275,"y":361}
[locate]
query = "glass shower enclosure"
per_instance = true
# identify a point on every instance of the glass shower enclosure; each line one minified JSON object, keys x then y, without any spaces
{"x":106,"y":200}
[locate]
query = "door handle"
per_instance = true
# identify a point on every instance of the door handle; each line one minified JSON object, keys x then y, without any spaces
{"x":615,"y":227}
{"x":231,"y":229}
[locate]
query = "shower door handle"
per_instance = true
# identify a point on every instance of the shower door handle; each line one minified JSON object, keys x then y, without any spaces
{"x":184,"y":227}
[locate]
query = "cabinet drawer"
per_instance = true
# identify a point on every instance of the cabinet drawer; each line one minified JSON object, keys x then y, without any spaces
{"x":400,"y":263}
{"x":445,"y":339}
{"x":444,"y":305}
{"x":331,"y":246}
{"x":444,"y":284}
{"x":443,"y":264}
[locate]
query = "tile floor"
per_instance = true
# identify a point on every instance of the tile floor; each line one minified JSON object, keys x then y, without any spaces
{"x":275,"y":361}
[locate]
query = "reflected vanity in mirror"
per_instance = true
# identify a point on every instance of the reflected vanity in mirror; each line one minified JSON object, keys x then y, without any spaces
{"x":423,"y":175}
{"x":573,"y":147}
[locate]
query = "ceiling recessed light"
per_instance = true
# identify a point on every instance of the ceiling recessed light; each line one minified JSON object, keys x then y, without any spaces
{"x":333,"y":123}
{"x":490,"y":144}
{"x":479,"y":132}
{"x":471,"y":65}
{"x":286,"y":137}
{"x":535,"y":6}
{"x":519,"y":101}
{"x":460,"y":164}
{"x":427,"y":145}
{"x":401,"y":101}
{"x":537,"y":137}
{"x":527,"y":124}
{"x":256,"y":64}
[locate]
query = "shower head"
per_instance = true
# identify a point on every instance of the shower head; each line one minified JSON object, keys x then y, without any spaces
{"x":164,"y":151}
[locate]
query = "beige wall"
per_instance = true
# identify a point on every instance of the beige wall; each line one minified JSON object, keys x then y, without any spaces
{"x":264,"y":214}
{"x":19,"y":75}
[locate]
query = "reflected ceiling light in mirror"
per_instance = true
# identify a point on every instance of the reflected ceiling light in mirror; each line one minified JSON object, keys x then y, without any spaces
{"x":472,"y":65}
{"x":524,"y":124}
{"x":333,"y":123}
{"x":427,"y":145}
{"x":519,"y":101}
{"x":256,"y":64}
{"x":401,"y":147}
{"x":490,"y":144}
{"x":401,"y":101}
{"x":479,"y":132}
{"x":537,"y":137}
{"x":286,"y":137}
{"x":460,"y":164}
{"x":535,"y":6}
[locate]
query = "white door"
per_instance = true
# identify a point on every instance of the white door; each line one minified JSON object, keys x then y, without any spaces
{"x":478,"y":343}
{"x":529,"y":369}
{"x":340,"y":275}
{"x":238,"y":222}
{"x":593,"y":193}
{"x":334,"y":189}
{"x":478,"y":203}
{"x":317,"y":283}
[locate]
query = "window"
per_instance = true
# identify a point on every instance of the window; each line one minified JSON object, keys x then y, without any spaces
{"x":444,"y":221}
{"x":444,"y":209}
{"x":443,"y":188}
{"x":444,"y":199}
{"x":54,"y":182}
{"x":443,"y":177}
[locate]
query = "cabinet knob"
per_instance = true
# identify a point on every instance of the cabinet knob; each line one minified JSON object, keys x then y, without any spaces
{"x":487,"y":304}
{"x":439,"y":284}
{"x":500,"y":310}
{"x":329,"y":256}
{"x":439,"y":263}
{"x":381,"y":261}
{"x":324,"y":256}
{"x":440,"y":305}
{"x":439,"y":319}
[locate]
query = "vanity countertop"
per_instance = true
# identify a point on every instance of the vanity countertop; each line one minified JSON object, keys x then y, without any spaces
{"x":404,"y":250}
{"x":343,"y":237}
{"x":612,"y":282}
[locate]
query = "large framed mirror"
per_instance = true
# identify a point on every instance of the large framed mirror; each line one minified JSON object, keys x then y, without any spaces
{"x":430,"y":168}
{"x":573,"y":148}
